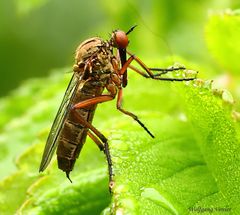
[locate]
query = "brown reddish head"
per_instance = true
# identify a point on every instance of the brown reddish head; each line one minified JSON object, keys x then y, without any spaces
{"x":119,"y":39}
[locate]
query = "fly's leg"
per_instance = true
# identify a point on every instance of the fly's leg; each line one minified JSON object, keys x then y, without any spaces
{"x":166,"y":70}
{"x":96,"y":134}
{"x":96,"y":140}
{"x":148,"y":71}
{"x":119,"y":107}
{"x":119,"y":99}
{"x":156,"y":76}
{"x":162,"y":70}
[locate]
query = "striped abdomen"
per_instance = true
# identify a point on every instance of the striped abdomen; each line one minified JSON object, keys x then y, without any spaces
{"x":73,"y":134}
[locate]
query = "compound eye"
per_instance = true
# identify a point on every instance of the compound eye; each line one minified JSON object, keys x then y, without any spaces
{"x":121,"y":39}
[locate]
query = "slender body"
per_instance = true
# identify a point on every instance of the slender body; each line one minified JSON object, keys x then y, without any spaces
{"x":93,"y":80}
{"x":93,"y":71}
{"x":96,"y":69}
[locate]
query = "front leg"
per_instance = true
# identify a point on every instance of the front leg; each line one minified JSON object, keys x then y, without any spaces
{"x":147,"y":72}
{"x":119,"y":107}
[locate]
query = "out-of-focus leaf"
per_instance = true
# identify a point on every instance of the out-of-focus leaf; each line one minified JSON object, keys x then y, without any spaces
{"x":26,"y":6}
{"x":22,"y":139}
{"x":222,"y":36}
{"x":25,"y":115}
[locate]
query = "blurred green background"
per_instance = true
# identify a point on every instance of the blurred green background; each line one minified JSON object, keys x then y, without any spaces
{"x":38,"y":35}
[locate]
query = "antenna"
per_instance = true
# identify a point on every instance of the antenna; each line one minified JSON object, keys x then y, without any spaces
{"x":131,"y":29}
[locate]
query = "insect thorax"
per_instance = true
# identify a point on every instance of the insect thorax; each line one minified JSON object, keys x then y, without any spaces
{"x":97,"y":53}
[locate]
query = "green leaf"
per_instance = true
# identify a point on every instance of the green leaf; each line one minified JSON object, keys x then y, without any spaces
{"x":218,"y":138}
{"x":192,"y":162}
{"x":22,"y":139}
{"x":222,"y":36}
{"x":30,"y":108}
{"x":87,"y":195}
{"x":178,"y":172}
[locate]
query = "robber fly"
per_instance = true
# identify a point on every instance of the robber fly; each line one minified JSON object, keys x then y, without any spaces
{"x":96,"y":68}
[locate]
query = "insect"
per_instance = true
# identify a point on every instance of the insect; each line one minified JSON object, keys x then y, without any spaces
{"x":96,"y":68}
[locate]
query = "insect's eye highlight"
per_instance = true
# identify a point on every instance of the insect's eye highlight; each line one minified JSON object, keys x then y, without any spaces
{"x":120,"y":39}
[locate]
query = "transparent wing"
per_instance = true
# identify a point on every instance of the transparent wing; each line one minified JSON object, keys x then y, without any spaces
{"x":57,"y":125}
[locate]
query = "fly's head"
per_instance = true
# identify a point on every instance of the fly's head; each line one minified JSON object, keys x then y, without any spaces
{"x":119,"y":38}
